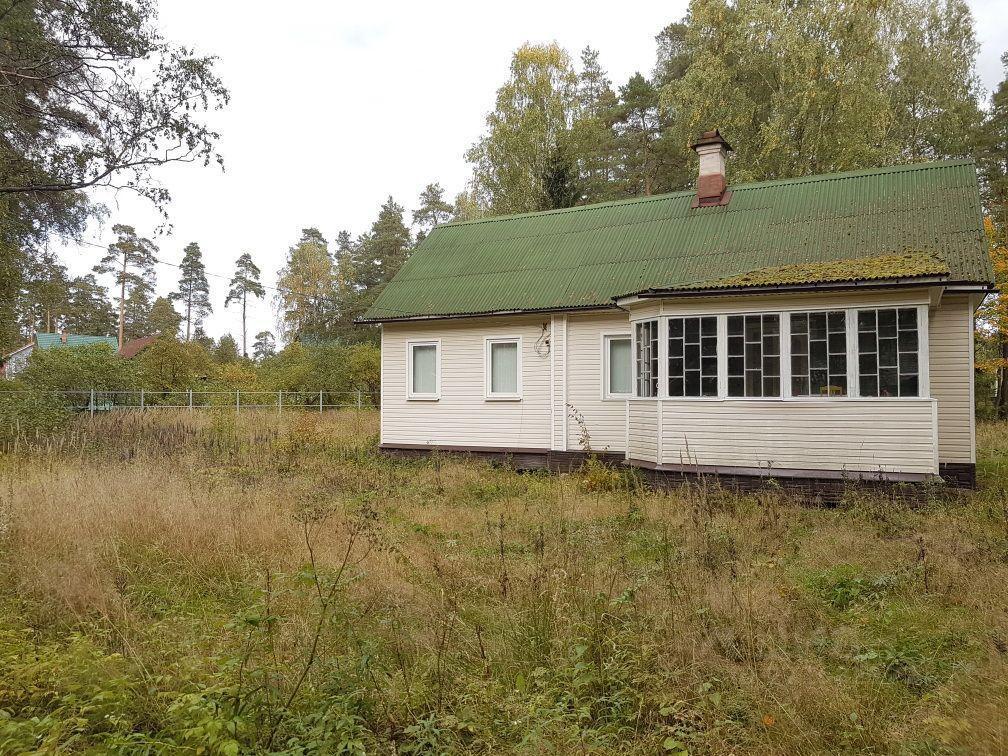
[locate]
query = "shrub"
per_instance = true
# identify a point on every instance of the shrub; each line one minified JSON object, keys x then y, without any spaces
{"x":30,"y":413}
{"x":79,"y":368}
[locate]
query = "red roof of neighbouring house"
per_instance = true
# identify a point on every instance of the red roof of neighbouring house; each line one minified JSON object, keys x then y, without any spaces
{"x":133,"y":347}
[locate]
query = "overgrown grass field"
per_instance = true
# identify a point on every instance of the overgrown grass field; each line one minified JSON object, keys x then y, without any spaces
{"x":175,"y":583}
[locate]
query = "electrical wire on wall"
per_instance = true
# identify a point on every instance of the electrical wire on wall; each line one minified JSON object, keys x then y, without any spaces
{"x":542,"y":345}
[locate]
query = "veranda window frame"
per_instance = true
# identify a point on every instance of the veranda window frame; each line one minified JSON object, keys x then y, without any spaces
{"x":784,"y":313}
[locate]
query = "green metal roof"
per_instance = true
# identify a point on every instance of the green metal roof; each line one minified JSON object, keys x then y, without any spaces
{"x":55,"y":340}
{"x":583,"y":257}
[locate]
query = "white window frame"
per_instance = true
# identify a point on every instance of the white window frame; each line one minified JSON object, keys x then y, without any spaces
{"x":488,"y":394}
{"x":720,"y":324}
{"x":411,"y":395}
{"x":605,"y":338}
{"x":853,"y":392}
{"x":662,"y":328}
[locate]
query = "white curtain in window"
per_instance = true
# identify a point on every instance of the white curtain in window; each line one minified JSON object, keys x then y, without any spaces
{"x":619,"y":366}
{"x":504,"y":368}
{"x":425,"y":369}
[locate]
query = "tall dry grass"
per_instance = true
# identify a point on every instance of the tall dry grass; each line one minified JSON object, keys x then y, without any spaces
{"x":270,"y":583}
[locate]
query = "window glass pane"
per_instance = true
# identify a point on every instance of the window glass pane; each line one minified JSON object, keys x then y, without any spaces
{"x":646,"y":358}
{"x":887,"y":352}
{"x":424,"y":369}
{"x":823,"y":372}
{"x":754,"y":357}
{"x":619,"y":366}
{"x":695,"y":373}
{"x":503,"y":367}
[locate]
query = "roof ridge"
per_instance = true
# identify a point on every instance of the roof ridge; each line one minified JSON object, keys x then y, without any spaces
{"x":809,"y":179}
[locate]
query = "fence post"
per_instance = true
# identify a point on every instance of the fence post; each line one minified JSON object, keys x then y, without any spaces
{"x":190,"y":400}
{"x":279,"y":402}
{"x":320,"y":401}
{"x":358,"y":398}
{"x":91,"y":404}
{"x":237,"y":400}
{"x":141,"y":398}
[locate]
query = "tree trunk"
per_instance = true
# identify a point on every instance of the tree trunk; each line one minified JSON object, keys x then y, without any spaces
{"x":188,"y":314}
{"x":122,"y":302}
{"x":244,"y":336}
{"x":1002,"y":389}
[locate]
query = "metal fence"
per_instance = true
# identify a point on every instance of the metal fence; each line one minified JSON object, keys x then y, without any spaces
{"x":98,"y":400}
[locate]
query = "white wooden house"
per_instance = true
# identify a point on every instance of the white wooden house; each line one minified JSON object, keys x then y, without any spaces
{"x":817,"y":328}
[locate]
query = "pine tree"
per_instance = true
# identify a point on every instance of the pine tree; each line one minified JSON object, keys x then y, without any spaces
{"x":244,"y":282}
{"x":193,"y":291}
{"x":131,"y":260}
{"x":432,"y":210}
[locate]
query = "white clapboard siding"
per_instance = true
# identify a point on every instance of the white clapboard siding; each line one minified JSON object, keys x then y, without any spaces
{"x":558,"y":355}
{"x":643,"y":435}
{"x":605,"y":419}
{"x":855,"y":435}
{"x":462,"y":416}
{"x":950,"y":340}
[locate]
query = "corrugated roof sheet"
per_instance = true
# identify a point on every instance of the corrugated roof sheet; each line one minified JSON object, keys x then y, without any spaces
{"x":55,"y":340}
{"x":584,"y":256}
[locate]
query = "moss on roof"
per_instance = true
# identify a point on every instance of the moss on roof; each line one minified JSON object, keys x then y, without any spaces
{"x":909,"y":264}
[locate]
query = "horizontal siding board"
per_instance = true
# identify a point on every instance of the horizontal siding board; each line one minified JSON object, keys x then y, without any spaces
{"x":853,"y":435}
{"x":951,"y":377}
{"x":462,"y":416}
{"x":604,"y":419}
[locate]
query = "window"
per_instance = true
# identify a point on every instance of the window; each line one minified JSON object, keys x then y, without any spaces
{"x":887,"y":352}
{"x":503,"y":368}
{"x":819,"y":353}
{"x":692,"y":356}
{"x":646,"y":358}
{"x":754,"y":355}
{"x":617,"y":365}
{"x":424,"y":369}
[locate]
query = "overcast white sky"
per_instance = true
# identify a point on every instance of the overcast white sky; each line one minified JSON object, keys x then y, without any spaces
{"x":337,"y":105}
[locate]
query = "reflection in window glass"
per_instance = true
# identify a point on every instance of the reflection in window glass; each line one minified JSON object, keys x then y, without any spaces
{"x":754,"y":355}
{"x":819,"y":353}
{"x":888,"y":352}
{"x":646,"y":358}
{"x":692,"y":356}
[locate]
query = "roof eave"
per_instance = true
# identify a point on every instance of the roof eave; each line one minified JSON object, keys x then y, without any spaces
{"x":483,"y":314}
{"x":876,"y":283}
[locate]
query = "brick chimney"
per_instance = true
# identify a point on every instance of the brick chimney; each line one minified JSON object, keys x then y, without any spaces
{"x":712,"y":186}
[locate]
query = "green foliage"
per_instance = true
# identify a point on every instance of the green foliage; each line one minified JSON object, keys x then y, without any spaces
{"x":167,"y":365}
{"x":130,"y":260}
{"x":245,"y":283}
{"x":226,"y":350}
{"x":79,"y":368}
{"x":29,"y":414}
{"x":164,"y":319}
{"x":528,"y":128}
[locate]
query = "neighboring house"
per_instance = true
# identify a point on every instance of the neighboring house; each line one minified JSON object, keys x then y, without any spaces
{"x":17,"y":360}
{"x":817,"y":328}
{"x":133,"y":347}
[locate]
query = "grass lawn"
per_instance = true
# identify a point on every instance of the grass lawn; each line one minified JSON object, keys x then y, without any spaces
{"x":217,"y":584}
